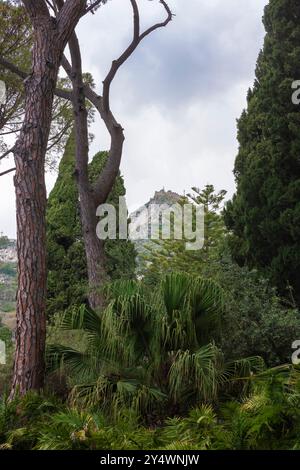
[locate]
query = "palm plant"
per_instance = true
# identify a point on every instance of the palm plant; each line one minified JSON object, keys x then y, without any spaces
{"x":150,"y":350}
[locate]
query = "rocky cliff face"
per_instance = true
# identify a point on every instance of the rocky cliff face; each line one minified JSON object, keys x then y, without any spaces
{"x":140,"y":226}
{"x":141,"y":217}
{"x":9,"y":254}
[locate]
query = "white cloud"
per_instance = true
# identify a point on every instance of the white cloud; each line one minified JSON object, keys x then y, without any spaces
{"x":177,"y":98}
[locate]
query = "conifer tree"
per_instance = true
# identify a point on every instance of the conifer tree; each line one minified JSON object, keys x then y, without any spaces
{"x":67,"y":277}
{"x":264,"y":215}
{"x":167,"y":256}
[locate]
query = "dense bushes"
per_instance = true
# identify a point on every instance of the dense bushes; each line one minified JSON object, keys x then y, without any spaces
{"x":4,"y":242}
{"x":257,"y":321}
{"x":267,"y":417}
{"x":165,"y":365}
{"x":5,"y":369}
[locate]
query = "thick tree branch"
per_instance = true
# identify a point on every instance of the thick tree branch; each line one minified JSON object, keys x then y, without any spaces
{"x":105,"y":182}
{"x":67,"y":17}
{"x":66,"y":95}
{"x":36,"y":8}
{"x":116,"y":64}
{"x":67,"y":66}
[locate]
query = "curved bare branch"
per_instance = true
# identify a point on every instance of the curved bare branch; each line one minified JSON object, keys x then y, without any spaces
{"x":7,"y":171}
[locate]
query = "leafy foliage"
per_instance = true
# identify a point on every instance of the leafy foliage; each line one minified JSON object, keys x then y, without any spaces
{"x":264,"y":418}
{"x":257,"y":320}
{"x":150,"y":351}
{"x":4,"y":242}
{"x":15,"y":47}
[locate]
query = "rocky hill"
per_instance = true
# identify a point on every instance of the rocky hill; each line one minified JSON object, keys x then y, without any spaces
{"x":140,"y":226}
{"x":9,"y":254}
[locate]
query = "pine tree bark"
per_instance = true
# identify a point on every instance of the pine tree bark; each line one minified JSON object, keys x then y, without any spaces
{"x":31,"y":205}
{"x":50,"y":38}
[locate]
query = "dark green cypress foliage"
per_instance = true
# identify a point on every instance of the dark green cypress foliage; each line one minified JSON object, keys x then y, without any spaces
{"x":264,"y":215}
{"x":67,"y":272}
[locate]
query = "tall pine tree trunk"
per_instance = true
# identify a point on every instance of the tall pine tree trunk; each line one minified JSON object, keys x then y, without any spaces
{"x":49,"y":39}
{"x":31,"y":206}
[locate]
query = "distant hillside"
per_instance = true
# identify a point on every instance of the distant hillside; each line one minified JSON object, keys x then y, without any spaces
{"x":140,"y":220}
{"x":8,"y":276}
{"x":8,"y":251}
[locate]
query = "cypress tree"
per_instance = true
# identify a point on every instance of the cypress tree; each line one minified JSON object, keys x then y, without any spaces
{"x":67,"y":270}
{"x":264,"y":214}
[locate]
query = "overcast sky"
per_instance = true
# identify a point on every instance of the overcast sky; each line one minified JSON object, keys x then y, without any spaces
{"x":178,"y":97}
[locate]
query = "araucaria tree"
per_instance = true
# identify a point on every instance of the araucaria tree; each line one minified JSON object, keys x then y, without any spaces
{"x":264,"y":215}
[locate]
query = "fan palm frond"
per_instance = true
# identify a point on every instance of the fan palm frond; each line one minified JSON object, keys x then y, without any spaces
{"x":200,"y":370}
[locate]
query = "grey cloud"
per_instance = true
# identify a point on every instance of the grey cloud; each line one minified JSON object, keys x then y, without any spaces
{"x":178,"y":97}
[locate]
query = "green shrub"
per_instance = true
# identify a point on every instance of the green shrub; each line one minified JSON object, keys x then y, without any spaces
{"x":4,"y":242}
{"x":8,"y":269}
{"x":151,"y":352}
{"x":6,"y":369}
{"x":22,"y":418}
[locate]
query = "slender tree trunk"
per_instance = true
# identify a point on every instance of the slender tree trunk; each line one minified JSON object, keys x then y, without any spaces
{"x":30,"y":188}
{"x":94,"y":248}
